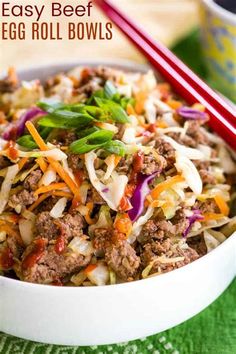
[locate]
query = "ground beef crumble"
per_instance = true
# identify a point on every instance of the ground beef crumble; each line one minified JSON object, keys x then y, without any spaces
{"x":52,"y":266}
{"x":153,"y":163}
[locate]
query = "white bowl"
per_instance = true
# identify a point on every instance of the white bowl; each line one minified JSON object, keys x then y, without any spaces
{"x":116,"y":313}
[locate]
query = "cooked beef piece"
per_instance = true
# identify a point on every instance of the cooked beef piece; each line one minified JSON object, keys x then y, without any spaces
{"x":208,"y":206}
{"x":106,"y":73}
{"x":9,"y":83}
{"x":166,"y":150}
{"x":155,"y":248}
{"x":158,"y":229}
{"x":180,"y":221}
{"x":31,"y":182}
{"x":166,"y":249}
{"x":51,"y":266}
{"x":198,"y":244}
{"x":153,"y":163}
{"x":74,"y":162}
{"x":150,"y":231}
{"x":102,"y":238}
{"x":15,"y":247}
{"x":66,"y":137}
{"x":23,"y":198}
{"x":186,"y":140}
{"x":196,"y":133}
{"x":4,"y":162}
{"x":122,"y":258}
{"x":45,"y":226}
{"x":89,"y":88}
{"x":207,"y":177}
{"x":125,"y":164}
{"x":119,"y":254}
{"x":121,"y":130}
{"x":94,"y":196}
{"x":203,"y":168}
{"x":69,"y":225}
{"x":47,"y":204}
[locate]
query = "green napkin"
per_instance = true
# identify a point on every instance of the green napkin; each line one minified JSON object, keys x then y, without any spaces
{"x":213,"y":331}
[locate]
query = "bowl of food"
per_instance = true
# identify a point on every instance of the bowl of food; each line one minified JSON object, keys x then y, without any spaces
{"x":117,"y":216}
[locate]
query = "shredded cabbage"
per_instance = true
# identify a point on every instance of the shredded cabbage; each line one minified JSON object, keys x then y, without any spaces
{"x":58,"y":209}
{"x":192,"y":154}
{"x":226,"y":161}
{"x":26,"y":228}
{"x":129,"y":136}
{"x":151,"y":111}
{"x":209,"y":225}
{"x":104,"y":220}
{"x":137,"y":226}
{"x":210,"y":241}
{"x":6,"y":186}
{"x":189,"y":172}
{"x":112,"y":195}
{"x":110,"y":161}
{"x":100,"y":275}
{"x":55,"y":154}
{"x":167,"y":113}
{"x":48,"y":177}
{"x":81,"y":246}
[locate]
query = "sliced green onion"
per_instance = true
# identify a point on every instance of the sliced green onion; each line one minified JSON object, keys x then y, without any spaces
{"x":109,"y":90}
{"x":91,"y":142}
{"x":116,"y":112}
{"x":115,"y":147}
{"x":66,"y":120}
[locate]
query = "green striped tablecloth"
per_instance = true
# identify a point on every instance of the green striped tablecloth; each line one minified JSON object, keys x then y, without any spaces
{"x":213,"y":331}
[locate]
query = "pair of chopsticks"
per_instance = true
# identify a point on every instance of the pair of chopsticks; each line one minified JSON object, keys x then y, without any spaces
{"x":182,"y":79}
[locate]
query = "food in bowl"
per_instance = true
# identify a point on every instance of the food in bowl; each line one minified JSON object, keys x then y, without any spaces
{"x":106,"y":177}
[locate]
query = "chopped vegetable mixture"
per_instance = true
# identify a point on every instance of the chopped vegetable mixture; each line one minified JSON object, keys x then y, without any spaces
{"x":107,"y":177}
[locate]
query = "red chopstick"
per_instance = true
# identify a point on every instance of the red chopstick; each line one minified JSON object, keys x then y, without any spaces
{"x":184,"y":81}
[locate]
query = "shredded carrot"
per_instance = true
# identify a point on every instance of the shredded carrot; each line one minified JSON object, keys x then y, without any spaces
{"x":11,"y":232}
{"x":55,"y":164}
{"x":161,"y":187}
{"x":130,"y":109}
{"x":117,"y":160}
{"x":87,"y":217}
{"x":124,"y":204}
{"x":42,"y":164}
{"x":2,"y":118}
{"x":51,"y":187}
{"x":211,"y":216}
{"x":63,"y":194}
{"x":35,"y":135}
{"x":12,"y":76}
{"x":123,"y":224}
{"x":64,"y":175}
{"x":22,"y":162}
{"x":154,"y":203}
{"x":221,"y":203}
{"x":140,"y":101}
{"x":162,"y":124}
{"x":199,"y":107}
{"x":39,"y":201}
{"x":90,"y":268}
{"x":174,"y":104}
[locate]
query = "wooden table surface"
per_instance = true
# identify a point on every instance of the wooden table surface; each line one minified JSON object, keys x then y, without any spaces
{"x":166,"y":20}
